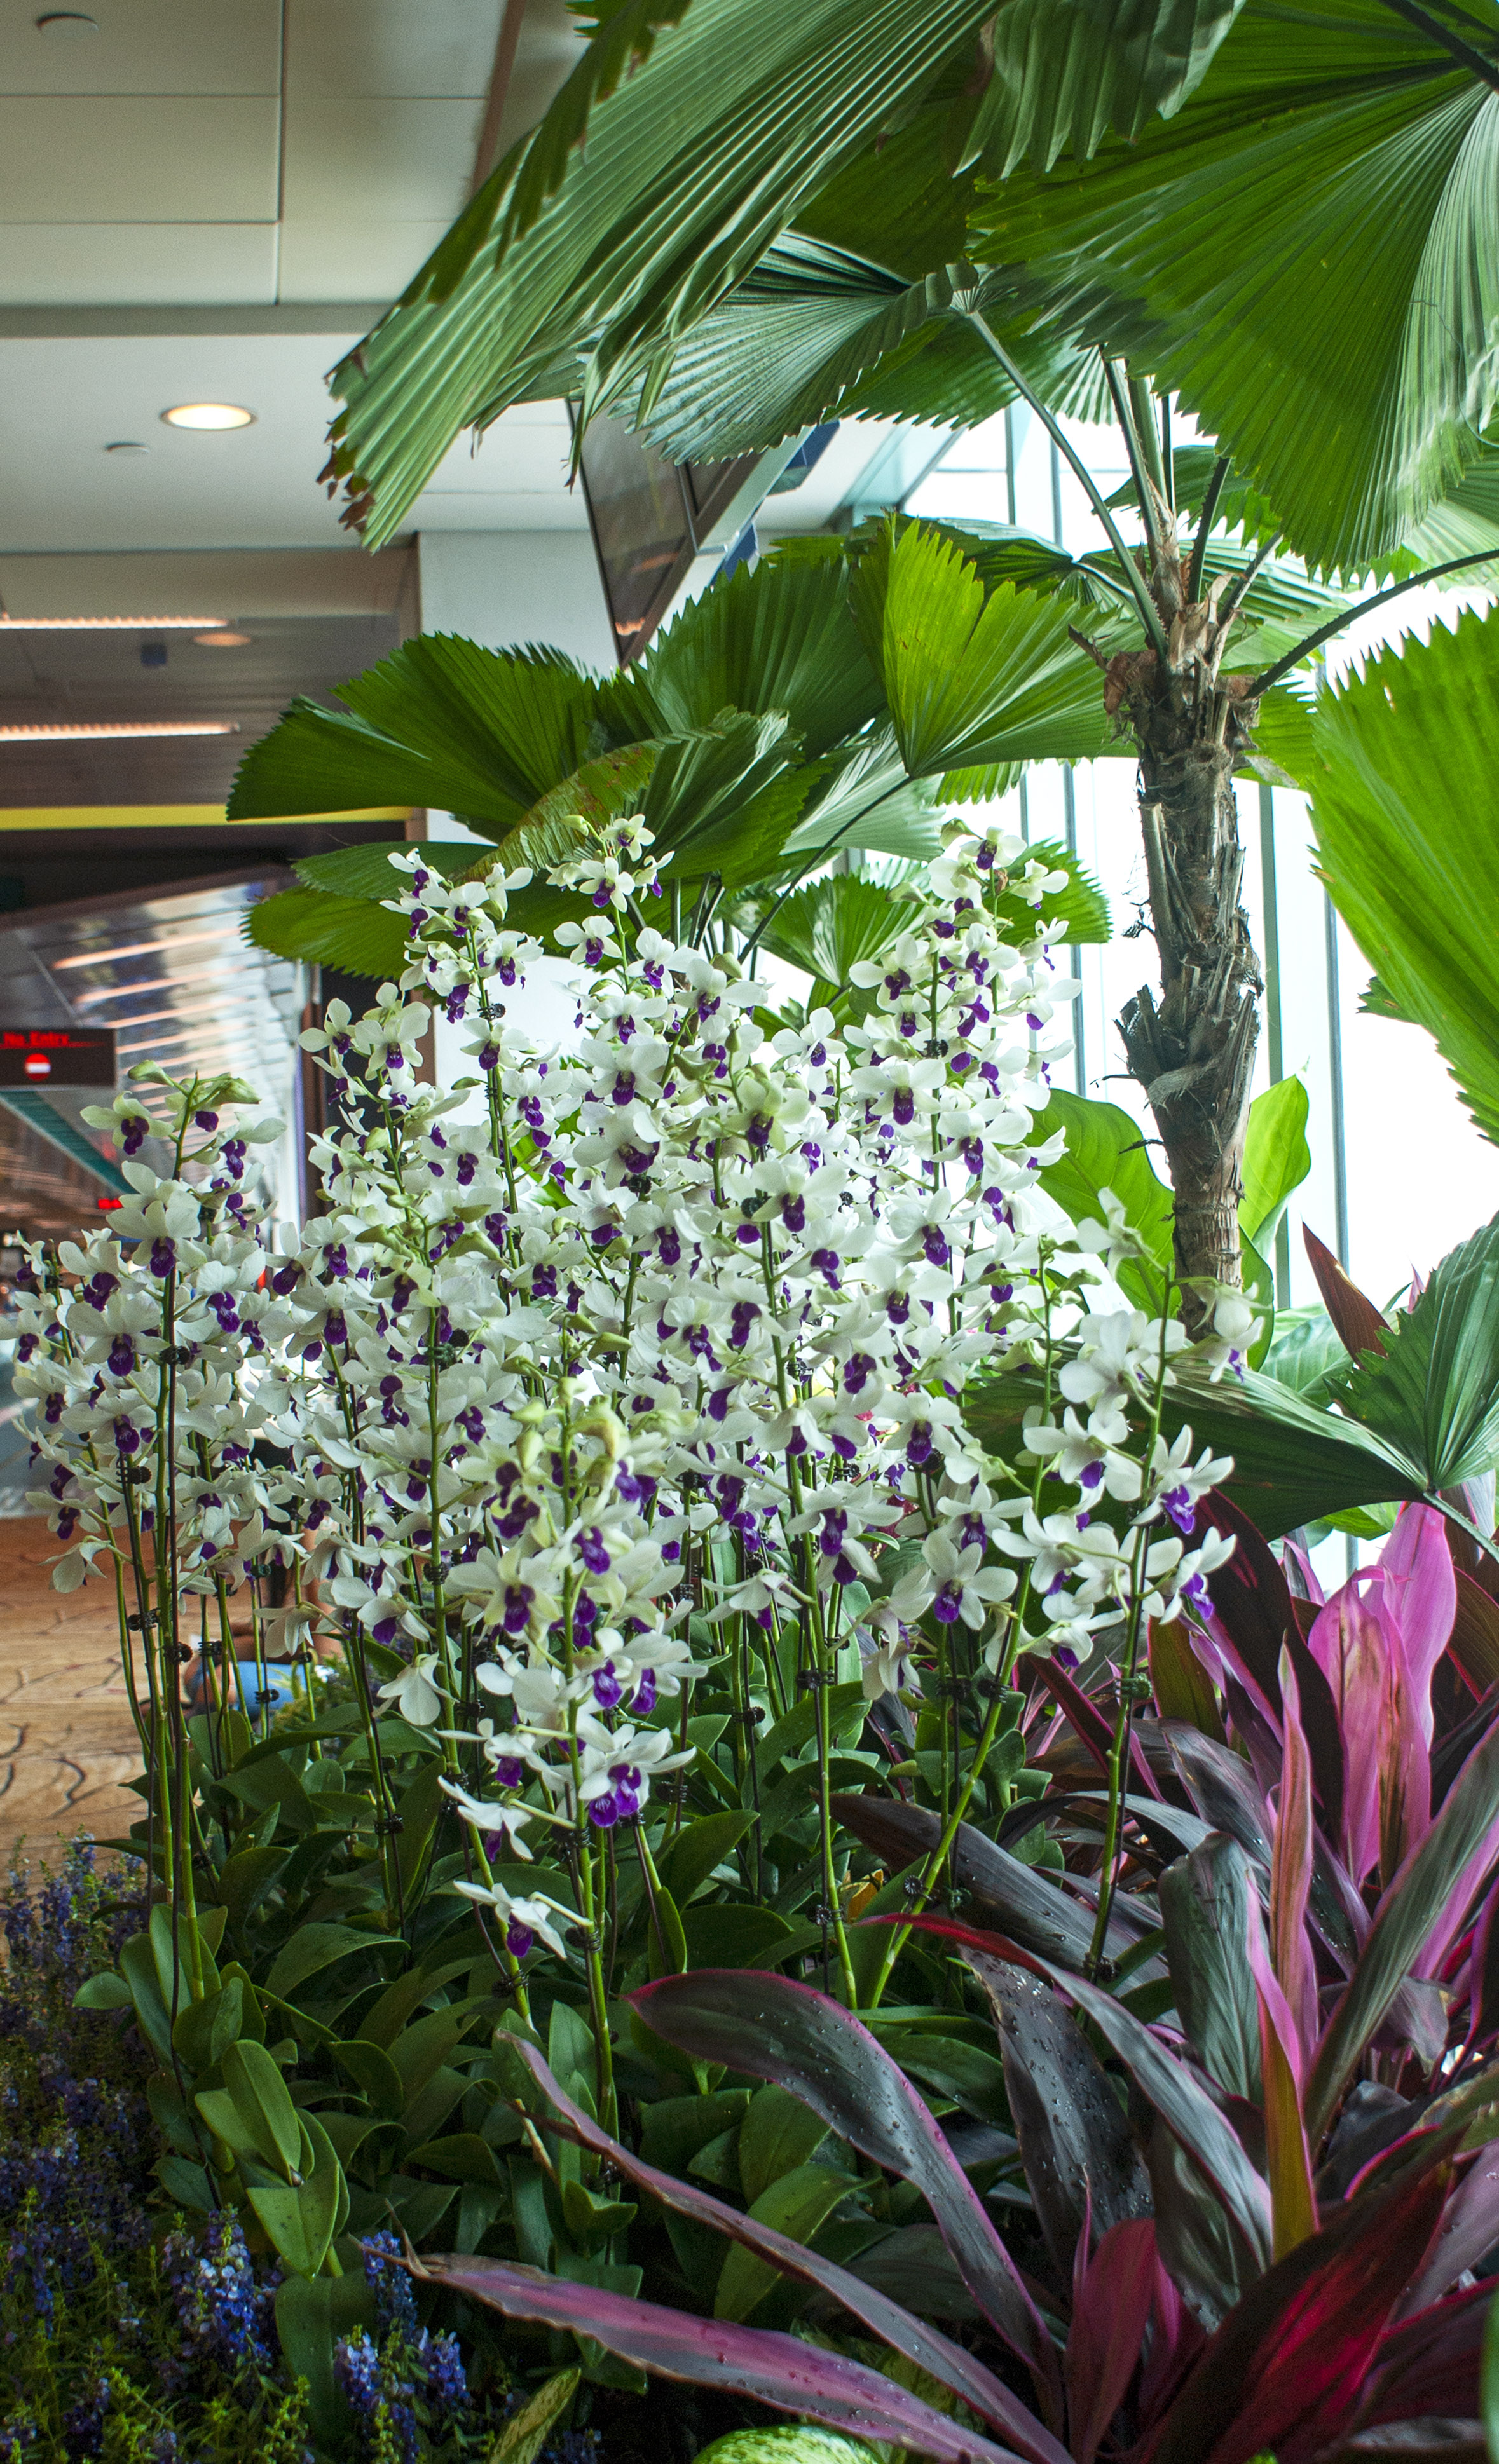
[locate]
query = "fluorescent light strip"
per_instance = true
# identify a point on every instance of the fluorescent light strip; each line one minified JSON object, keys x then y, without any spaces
{"x":158,"y":984}
{"x":183,"y":1028}
{"x":110,"y":623}
{"x":112,"y":731}
{"x":143,"y":949}
{"x":243,"y":1007}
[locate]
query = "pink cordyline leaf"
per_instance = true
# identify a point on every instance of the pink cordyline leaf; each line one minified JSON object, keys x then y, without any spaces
{"x":1421,"y":1595}
{"x":1284,"y":2372}
{"x":1468,"y":2231}
{"x":1291,"y":1875}
{"x":925,"y":2345}
{"x":755,"y":2362}
{"x":1112,"y":2297}
{"x":1293,"y":2207}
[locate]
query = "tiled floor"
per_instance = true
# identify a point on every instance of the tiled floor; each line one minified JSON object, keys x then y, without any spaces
{"x":67,"y":1740}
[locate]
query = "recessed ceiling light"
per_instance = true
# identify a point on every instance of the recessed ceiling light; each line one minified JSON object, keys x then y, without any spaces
{"x":223,"y":638}
{"x":75,"y":731}
{"x":66,"y":22}
{"x":128,"y":445}
{"x":107,"y":623}
{"x":209,"y":415}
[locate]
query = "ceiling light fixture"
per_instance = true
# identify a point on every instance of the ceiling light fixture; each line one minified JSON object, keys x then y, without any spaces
{"x":128,"y":445}
{"x":66,"y":23}
{"x":143,"y":949}
{"x":223,"y":638}
{"x":78,"y":733}
{"x":107,"y":623}
{"x":152,"y":985}
{"x":209,"y":416}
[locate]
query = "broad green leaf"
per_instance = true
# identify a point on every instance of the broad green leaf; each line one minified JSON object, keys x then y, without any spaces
{"x":801,"y":2444}
{"x":1247,"y":254}
{"x":1305,"y":1346}
{"x":778,"y":2135}
{"x":1405,"y":788}
{"x":971,"y":677}
{"x":356,"y":934}
{"x":817,"y":331}
{"x":1293,"y":1462}
{"x":313,"y":1947}
{"x":258,"y":2093}
{"x":372,"y":2069}
{"x":368,"y":871}
{"x":107,"y":1991}
{"x":1068,"y":71}
{"x":703,"y":1844}
{"x":1433,"y":1394}
{"x":205,"y":2030}
{"x":1106,"y":1150}
{"x":797,"y":2204}
{"x":692,"y":166}
{"x":781,"y":637}
{"x":441,"y":723}
{"x":1276,"y":1159}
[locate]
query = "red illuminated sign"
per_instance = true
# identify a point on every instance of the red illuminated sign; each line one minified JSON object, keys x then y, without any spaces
{"x":57,"y":1056}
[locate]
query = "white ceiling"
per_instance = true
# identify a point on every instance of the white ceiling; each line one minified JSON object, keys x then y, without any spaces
{"x":264,"y":162}
{"x":249,"y":151}
{"x":66,"y":400}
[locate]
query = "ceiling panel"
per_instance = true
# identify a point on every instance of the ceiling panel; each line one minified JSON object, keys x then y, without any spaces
{"x":154,"y":264}
{"x":406,"y":161}
{"x":551,"y":40}
{"x":387,"y":47}
{"x":254,"y":486}
{"x":147,"y":158}
{"x":145,"y":47}
{"x":341,"y":257}
{"x":345,"y":580}
{"x":48,"y":678}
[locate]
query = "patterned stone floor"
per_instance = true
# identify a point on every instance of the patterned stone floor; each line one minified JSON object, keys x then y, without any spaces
{"x":67,"y":1740}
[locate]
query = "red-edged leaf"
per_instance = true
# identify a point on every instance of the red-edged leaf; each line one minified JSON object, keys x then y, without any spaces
{"x":1188,"y":2113}
{"x":1288,"y":2157}
{"x":1253,"y":1604}
{"x":1359,"y":1326}
{"x":925,"y":2345}
{"x":1017,"y":1897}
{"x":1468,"y":2231}
{"x":1285,"y":2371}
{"x":1089,"y":1722}
{"x":755,"y":2362}
{"x":1111,"y":2298}
{"x":1474,"y":1642}
{"x":1182,"y":1685}
{"x":1429,"y":2365}
{"x":772,"y":2028}
{"x":1079,"y":2157}
{"x":1290,"y":1877}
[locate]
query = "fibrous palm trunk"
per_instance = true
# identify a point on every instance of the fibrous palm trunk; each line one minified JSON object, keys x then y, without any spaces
{"x":1192,"y":1048}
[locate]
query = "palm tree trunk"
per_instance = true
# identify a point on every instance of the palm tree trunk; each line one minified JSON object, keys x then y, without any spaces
{"x":1193,"y":1049}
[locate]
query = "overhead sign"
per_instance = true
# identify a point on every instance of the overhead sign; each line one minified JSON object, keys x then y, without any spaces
{"x":57,"y":1056}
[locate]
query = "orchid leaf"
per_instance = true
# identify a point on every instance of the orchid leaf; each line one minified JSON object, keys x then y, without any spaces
{"x":773,"y":2029}
{"x":949,"y":2364}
